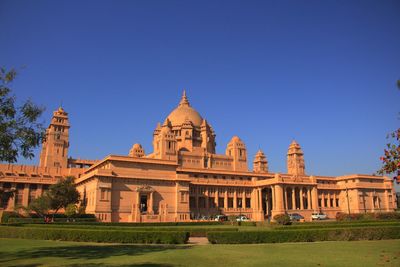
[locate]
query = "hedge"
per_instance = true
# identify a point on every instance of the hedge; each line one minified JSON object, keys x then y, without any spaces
{"x":193,"y":231}
{"x":338,"y":225}
{"x":307,"y":235}
{"x":341,"y":216}
{"x":135,"y":224}
{"x":85,"y":235}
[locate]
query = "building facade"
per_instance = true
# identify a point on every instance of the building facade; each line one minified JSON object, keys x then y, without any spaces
{"x":184,"y":179}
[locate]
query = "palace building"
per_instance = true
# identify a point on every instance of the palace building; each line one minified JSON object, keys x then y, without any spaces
{"x":184,"y":179}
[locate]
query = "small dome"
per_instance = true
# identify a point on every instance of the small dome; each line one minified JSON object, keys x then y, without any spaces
{"x":137,"y":146}
{"x":184,"y":112}
{"x":294,"y":148}
{"x":236,"y":139}
{"x":260,"y":153}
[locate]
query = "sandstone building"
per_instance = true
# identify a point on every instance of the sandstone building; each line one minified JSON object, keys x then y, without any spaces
{"x":183,"y":178}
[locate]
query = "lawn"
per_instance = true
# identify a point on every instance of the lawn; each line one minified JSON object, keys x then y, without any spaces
{"x":19,"y":252}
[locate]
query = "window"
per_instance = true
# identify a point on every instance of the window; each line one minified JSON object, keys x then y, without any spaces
{"x":230,"y":202}
{"x":211,"y":200}
{"x":248,"y":202}
{"x":202,"y":202}
{"x":221,"y":202}
{"x":104,"y":194}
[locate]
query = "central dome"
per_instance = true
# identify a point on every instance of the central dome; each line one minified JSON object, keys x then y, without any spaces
{"x":184,"y":112}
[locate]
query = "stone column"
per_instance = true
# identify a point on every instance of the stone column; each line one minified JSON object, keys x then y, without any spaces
{"x":11,"y":201}
{"x":301,"y":199}
{"x":25,"y":198}
{"x":309,"y":198}
{"x":273,"y":197}
{"x":293,"y":198}
{"x":314,"y":198}
{"x":234,"y":199}
{"x":286,"y":199}
{"x":216,"y":197}
{"x":259,"y":199}
{"x":243,"y":199}
{"x":334,"y":200}
{"x":226,"y":198}
{"x":329,"y":200}
{"x":278,"y":198}
{"x":150,"y":207}
{"x":39,"y":190}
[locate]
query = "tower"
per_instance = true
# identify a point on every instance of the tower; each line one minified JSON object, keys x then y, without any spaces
{"x":164,"y":142}
{"x":136,"y":151}
{"x":55,"y":146}
{"x":260,"y":163}
{"x":237,"y":150}
{"x":295,"y":159}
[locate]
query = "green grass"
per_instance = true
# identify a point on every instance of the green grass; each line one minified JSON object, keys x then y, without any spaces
{"x":19,"y":252}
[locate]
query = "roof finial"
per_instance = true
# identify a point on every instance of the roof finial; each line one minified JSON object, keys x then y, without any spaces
{"x":184,"y":101}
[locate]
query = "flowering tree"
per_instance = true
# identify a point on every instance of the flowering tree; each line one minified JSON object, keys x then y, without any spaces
{"x":391,"y":157}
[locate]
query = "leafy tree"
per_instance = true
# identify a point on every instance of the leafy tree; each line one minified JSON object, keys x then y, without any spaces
{"x":20,"y":132}
{"x":63,"y":193}
{"x":391,"y":157}
{"x":71,"y":210}
{"x":41,"y":206}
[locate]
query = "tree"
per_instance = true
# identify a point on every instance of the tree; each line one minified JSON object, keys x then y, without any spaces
{"x":20,"y":132}
{"x":71,"y":210}
{"x":391,"y":157}
{"x":5,"y":195}
{"x":62,"y":194}
{"x":41,"y":206}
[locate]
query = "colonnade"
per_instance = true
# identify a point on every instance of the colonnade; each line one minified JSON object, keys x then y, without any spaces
{"x":226,"y":198}
{"x":24,"y":193}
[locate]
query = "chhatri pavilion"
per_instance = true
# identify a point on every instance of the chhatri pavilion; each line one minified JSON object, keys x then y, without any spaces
{"x":184,"y":179}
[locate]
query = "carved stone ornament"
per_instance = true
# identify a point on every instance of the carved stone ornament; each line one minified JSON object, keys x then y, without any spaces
{"x":145,"y":189}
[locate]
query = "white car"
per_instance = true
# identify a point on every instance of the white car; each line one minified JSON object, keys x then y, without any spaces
{"x":242,"y":218}
{"x":318,"y":216}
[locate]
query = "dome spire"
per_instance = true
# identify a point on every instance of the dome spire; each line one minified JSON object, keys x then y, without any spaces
{"x":184,"y":101}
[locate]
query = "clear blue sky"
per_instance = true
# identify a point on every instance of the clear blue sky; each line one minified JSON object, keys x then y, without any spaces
{"x":322,"y":72}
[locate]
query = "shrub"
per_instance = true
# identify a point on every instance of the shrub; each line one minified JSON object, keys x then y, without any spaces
{"x":9,"y":214}
{"x":340,"y":216}
{"x":193,"y":231}
{"x":85,"y":235}
{"x":282,"y":219}
{"x":306,"y":235}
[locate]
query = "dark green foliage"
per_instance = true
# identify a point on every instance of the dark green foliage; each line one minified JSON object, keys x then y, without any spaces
{"x":282,"y":219}
{"x":306,"y":235}
{"x":346,"y":224}
{"x":154,"y":224}
{"x":40,"y":205}
{"x":5,"y":195}
{"x":9,"y":214}
{"x":20,"y":132}
{"x":193,"y":231}
{"x":86,"y":235}
{"x":340,"y":216}
{"x":13,"y":217}
{"x":63,"y":193}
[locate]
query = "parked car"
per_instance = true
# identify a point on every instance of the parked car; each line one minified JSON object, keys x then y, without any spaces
{"x":242,"y":218}
{"x":295,"y":217}
{"x":221,"y":218}
{"x":318,"y":216}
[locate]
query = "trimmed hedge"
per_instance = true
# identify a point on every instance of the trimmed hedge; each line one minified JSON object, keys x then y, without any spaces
{"x":127,"y":224}
{"x":337,"y":225}
{"x":341,"y":216}
{"x":104,"y":236}
{"x":307,"y":235}
{"x":193,"y":231}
